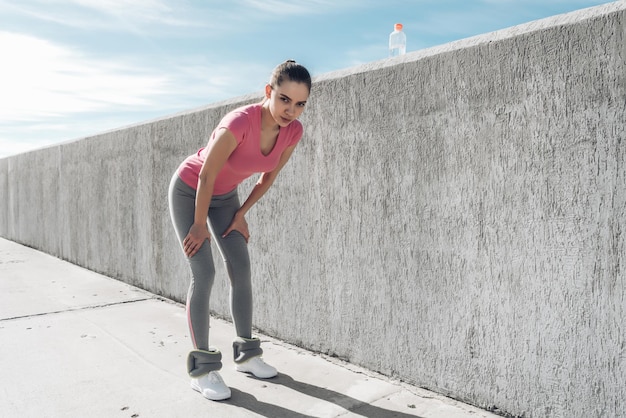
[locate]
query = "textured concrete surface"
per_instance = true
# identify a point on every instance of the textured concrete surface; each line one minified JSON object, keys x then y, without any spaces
{"x":453,"y":217}
{"x":79,"y":344}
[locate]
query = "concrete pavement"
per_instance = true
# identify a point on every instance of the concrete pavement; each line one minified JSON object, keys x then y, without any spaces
{"x":75,"y":343}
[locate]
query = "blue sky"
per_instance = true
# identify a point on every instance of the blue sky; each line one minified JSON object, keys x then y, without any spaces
{"x":74,"y":68}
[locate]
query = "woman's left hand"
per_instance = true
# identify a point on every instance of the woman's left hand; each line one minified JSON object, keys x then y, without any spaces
{"x":240,"y":225}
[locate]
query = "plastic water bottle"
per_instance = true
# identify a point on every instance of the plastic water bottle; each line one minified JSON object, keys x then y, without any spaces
{"x":397,"y":41}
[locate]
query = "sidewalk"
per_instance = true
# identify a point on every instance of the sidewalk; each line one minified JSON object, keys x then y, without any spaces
{"x":78,"y":344}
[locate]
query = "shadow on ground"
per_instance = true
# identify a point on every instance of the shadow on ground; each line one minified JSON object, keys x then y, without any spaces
{"x":249,"y":402}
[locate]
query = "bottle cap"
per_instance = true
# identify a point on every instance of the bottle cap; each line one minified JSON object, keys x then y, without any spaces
{"x":398,"y":26}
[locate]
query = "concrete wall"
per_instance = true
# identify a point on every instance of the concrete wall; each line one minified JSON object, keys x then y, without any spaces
{"x":454,"y":218}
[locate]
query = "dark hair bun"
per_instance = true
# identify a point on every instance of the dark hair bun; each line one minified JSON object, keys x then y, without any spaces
{"x":290,"y":70}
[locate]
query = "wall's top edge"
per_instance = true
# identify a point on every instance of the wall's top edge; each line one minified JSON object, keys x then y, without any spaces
{"x":232,"y":101}
{"x":499,"y":35}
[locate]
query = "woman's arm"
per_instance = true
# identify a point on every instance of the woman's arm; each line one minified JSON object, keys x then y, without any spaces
{"x":218,"y":152}
{"x":260,"y":188}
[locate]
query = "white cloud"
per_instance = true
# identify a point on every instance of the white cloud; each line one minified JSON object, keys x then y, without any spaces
{"x":290,"y":7}
{"x":39,"y":78}
{"x":139,"y":8}
{"x":137,"y":11}
{"x":282,"y":7}
{"x":109,"y":15}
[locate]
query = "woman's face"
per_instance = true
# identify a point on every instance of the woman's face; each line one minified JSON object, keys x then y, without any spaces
{"x":287,"y":101}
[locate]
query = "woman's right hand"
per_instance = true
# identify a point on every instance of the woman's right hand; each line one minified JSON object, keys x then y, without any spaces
{"x":195,"y":238}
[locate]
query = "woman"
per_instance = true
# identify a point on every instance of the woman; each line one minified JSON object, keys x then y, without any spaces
{"x":257,"y":138}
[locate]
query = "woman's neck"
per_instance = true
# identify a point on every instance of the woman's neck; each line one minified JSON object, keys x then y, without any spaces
{"x":267,"y":120}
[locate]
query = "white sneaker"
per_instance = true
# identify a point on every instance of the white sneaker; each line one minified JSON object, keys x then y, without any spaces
{"x":211,"y":386}
{"x":257,"y":367}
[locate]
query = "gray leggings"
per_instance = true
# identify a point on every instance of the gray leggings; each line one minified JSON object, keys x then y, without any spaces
{"x":234,"y":251}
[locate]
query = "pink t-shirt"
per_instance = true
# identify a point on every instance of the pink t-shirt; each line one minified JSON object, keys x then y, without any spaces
{"x":247,"y":158}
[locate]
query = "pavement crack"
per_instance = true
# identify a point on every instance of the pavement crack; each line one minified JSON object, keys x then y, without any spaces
{"x":80,"y":308}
